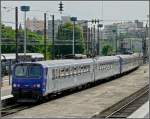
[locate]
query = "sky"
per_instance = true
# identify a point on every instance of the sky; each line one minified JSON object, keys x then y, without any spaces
{"x":108,"y":10}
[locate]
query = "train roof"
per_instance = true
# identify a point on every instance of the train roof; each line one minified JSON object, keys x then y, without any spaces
{"x":128,"y":56}
{"x":13,"y":55}
{"x":107,"y":58}
{"x":64,"y":62}
{"x":68,"y":62}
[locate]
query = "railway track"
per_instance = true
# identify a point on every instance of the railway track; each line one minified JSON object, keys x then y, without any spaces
{"x":14,"y":107}
{"x":10,"y":109}
{"x":127,"y":106}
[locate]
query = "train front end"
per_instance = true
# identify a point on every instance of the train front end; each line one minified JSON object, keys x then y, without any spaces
{"x":27,"y":81}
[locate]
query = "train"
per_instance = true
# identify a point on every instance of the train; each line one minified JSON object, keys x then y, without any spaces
{"x":35,"y":80}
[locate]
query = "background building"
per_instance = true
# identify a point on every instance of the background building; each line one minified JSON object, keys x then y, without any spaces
{"x":35,"y":25}
{"x":130,"y":28}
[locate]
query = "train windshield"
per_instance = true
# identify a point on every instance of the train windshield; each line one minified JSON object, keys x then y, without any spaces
{"x":28,"y":70}
{"x":21,"y":71}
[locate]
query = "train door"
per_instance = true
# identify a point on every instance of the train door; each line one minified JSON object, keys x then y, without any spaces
{"x":49,"y":82}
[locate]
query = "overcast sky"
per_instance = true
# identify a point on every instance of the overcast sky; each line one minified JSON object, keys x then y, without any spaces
{"x":82,"y":10}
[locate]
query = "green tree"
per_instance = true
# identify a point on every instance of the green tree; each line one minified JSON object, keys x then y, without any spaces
{"x":8,"y":36}
{"x":64,"y":39}
{"x":107,"y":50}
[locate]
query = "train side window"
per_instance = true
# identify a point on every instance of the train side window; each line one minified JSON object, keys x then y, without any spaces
{"x":62,"y":72}
{"x":79,"y":70}
{"x":56,"y":73}
{"x":59,"y":70}
{"x":89,"y":68}
{"x":71,"y":71}
{"x":99,"y":66}
{"x":84,"y":68}
{"x":53,"y":74}
{"x":75,"y":70}
{"x":67,"y":72}
{"x":110,"y":66}
{"x":104,"y":67}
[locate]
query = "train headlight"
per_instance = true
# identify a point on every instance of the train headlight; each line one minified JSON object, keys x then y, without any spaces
{"x":18,"y":85}
{"x":38,"y":85}
{"x":14,"y":85}
{"x":34,"y":86}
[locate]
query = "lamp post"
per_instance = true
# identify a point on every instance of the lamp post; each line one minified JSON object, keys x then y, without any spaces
{"x":25,"y":9}
{"x":45,"y":49}
{"x":73,"y":30}
{"x":16,"y":32}
{"x":87,"y":40}
{"x":115,"y":31}
{"x":99,"y":39}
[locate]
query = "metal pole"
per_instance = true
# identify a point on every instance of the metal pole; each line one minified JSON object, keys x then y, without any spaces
{"x":87,"y":40}
{"x":25,"y":33}
{"x":130,"y":44}
{"x":145,"y":42}
{"x":45,"y":36}
{"x":73,"y":38}
{"x":9,"y":71}
{"x":16,"y":33}
{"x":149,"y":45}
{"x":53,"y":38}
{"x":98,"y":39}
{"x":116,"y":42}
{"x":94,"y":41}
{"x":0,"y":59}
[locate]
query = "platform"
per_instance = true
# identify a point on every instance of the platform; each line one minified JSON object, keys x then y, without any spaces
{"x":5,"y":91}
{"x":6,"y":97}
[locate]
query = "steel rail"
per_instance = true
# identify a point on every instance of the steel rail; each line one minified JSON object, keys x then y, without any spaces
{"x":140,"y":95}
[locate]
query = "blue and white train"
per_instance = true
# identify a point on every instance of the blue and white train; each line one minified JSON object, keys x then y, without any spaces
{"x":37,"y":79}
